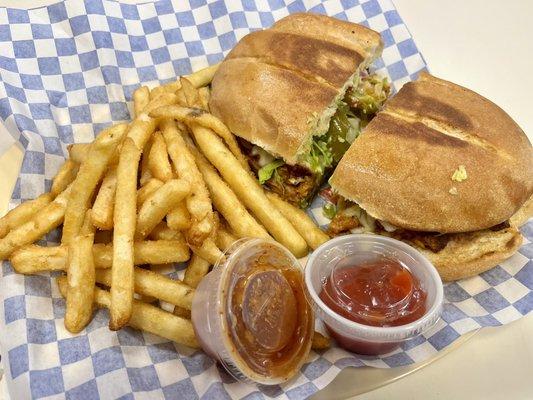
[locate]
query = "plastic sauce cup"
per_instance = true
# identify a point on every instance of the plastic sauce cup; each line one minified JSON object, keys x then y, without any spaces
{"x":367,"y":249}
{"x":251,"y":312}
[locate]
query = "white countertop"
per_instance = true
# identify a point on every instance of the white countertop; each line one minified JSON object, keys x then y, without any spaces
{"x":487,"y":46}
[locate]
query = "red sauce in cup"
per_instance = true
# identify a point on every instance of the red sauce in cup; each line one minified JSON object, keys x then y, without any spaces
{"x":383,"y":293}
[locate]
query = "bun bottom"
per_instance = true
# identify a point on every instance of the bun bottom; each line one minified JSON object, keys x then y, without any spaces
{"x":469,"y":254}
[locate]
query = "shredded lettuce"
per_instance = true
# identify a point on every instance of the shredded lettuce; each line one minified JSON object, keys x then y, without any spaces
{"x":320,"y":156}
{"x":266,"y":172}
{"x":368,"y":97}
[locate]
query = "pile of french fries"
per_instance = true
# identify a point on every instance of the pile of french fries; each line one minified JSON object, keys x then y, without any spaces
{"x":171,"y":186}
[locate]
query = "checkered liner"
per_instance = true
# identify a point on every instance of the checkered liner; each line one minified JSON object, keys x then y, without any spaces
{"x":67,"y":71}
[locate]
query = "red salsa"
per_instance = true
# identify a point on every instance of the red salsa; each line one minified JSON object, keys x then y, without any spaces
{"x":382,"y":293}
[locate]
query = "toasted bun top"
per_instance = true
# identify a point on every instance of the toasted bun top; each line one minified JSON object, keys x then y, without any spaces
{"x":276,"y":84}
{"x":400,"y":169}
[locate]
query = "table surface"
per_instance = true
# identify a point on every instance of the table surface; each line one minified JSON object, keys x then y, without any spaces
{"x":484,"y":45}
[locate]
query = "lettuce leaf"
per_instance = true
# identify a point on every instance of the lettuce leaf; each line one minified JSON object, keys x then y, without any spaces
{"x":266,"y":172}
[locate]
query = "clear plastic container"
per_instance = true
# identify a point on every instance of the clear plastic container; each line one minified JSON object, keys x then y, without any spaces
{"x":251,"y":312}
{"x":360,"y":249}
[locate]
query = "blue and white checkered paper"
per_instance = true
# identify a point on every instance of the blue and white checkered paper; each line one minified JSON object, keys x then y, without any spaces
{"x":67,"y":71}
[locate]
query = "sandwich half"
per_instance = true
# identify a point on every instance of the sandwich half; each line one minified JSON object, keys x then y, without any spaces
{"x":297,"y":95}
{"x":441,"y":168}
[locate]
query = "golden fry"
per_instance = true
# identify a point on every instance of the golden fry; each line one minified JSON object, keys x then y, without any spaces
{"x":89,"y":175}
{"x":146,"y":175}
{"x":179,"y":219}
{"x":198,"y":203}
{"x":160,"y":203}
{"x":208,"y":251}
{"x":124,"y":219}
{"x":158,"y":162}
{"x":77,"y":152}
{"x":48,"y":218}
{"x":23,"y":213}
{"x":104,"y":205}
{"x":249,"y":191}
{"x":32,"y":259}
{"x":305,"y":226}
{"x":196,"y":270}
{"x":64,"y":177}
{"x":148,"y":318}
{"x":143,"y":126}
{"x":320,"y":342}
{"x":147,"y":190}
{"x":149,"y":283}
{"x":80,"y":278}
{"x":203,"y":77}
{"x":141,"y":98}
{"x":205,"y":95}
{"x":225,"y":239}
{"x":192,"y":98}
{"x":163,"y":232}
{"x":227,"y":203}
{"x":193,"y":116}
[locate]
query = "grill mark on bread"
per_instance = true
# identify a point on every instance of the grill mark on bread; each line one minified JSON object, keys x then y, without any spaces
{"x":446,"y":129}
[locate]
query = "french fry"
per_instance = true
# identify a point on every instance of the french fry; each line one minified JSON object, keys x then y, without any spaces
{"x":81,"y":279}
{"x":179,"y":219}
{"x":160,"y":203}
{"x":87,"y":227}
{"x":224,"y":238}
{"x":146,"y":175}
{"x":148,"y":318}
{"x":192,"y":116}
{"x":141,"y":98}
{"x":143,"y":126}
{"x":208,"y":251}
{"x":149,"y":283}
{"x":23,"y":213}
{"x":198,"y":203}
{"x":158,"y":162}
{"x":42,"y":222}
{"x":89,"y":175}
{"x":64,"y":177}
{"x":192,"y":98}
{"x":205,"y":95}
{"x":199,"y":79}
{"x":196,"y":270}
{"x":320,"y":342}
{"x":104,"y":204}
{"x":163,"y":232}
{"x":305,"y":226}
{"x":248,"y":190}
{"x":226,"y":201}
{"x":204,"y":76}
{"x":32,"y":259}
{"x":147,"y":190}
{"x":77,"y":152}
{"x":124,"y":219}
